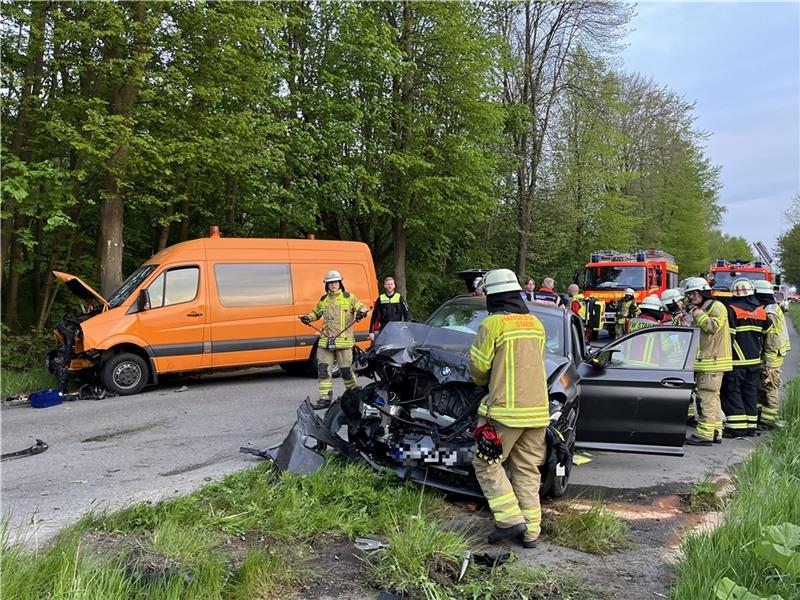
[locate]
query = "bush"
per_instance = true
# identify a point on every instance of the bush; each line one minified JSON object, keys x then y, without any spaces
{"x":24,"y":351}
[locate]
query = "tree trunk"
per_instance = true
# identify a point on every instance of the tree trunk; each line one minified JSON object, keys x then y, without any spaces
{"x":183,"y":231}
{"x":163,"y":236}
{"x":112,"y":207}
{"x":399,"y":256}
{"x":403,"y":144}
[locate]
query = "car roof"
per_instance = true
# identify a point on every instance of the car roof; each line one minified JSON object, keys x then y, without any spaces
{"x":536,"y":307}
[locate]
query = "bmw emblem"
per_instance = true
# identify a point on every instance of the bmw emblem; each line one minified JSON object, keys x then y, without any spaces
{"x":445,"y":371}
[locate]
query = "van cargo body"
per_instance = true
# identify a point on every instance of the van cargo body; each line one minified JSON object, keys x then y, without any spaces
{"x":206,"y":304}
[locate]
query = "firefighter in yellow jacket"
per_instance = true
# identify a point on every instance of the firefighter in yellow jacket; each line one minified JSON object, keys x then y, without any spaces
{"x":507,"y":355}
{"x":714,"y":357}
{"x":776,"y":347}
{"x":339,"y":309}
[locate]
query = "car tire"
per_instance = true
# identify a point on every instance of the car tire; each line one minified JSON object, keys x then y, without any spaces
{"x":559,"y":486}
{"x":311,"y":367}
{"x":125,"y":374}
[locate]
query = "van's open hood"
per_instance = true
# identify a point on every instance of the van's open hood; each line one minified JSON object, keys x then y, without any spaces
{"x":80,"y":288}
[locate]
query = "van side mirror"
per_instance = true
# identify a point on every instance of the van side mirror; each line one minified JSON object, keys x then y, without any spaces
{"x":142,"y":301}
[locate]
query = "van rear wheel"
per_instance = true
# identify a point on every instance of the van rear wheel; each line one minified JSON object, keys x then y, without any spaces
{"x":125,"y":374}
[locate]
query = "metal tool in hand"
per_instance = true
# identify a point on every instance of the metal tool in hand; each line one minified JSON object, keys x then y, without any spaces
{"x":331,"y":339}
{"x":367,"y":544}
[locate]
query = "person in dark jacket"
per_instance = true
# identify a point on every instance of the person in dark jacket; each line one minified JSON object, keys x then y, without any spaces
{"x":547,"y":293}
{"x":390,"y":306}
{"x":748,"y":323}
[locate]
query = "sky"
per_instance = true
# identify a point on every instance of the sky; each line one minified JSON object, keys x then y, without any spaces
{"x":740,"y":63}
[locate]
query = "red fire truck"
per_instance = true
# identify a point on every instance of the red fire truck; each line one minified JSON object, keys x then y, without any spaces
{"x":724,"y":273}
{"x":609,"y":273}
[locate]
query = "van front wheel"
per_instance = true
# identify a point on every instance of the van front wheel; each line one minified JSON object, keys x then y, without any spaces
{"x":125,"y":374}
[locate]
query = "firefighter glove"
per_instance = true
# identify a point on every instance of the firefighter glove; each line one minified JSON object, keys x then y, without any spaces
{"x":360,"y":316}
{"x":488,"y":444}
{"x":305,"y":319}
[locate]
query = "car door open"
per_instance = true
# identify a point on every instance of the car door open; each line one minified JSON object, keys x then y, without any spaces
{"x":635,"y":392}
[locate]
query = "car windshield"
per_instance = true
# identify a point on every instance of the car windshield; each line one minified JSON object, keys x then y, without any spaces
{"x":131,"y":283}
{"x":724,"y":279}
{"x":614,"y":278}
{"x":467,"y":317}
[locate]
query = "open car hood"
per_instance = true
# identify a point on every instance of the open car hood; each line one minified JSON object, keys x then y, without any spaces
{"x":440,"y":351}
{"x":80,"y":288}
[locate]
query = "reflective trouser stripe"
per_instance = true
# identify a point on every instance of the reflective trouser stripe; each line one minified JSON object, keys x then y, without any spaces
{"x":502,"y":500}
{"x":709,"y":409}
{"x":533,"y":520}
{"x":509,"y":515}
{"x":736,"y":422}
{"x":325,"y":388}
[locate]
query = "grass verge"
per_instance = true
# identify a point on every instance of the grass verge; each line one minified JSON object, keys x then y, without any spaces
{"x":703,"y":497}
{"x":794,"y":314}
{"x":596,"y":530}
{"x":249,"y":535}
{"x":24,"y":382}
{"x":766,"y":493}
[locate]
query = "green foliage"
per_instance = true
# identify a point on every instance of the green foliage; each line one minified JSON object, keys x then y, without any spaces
{"x":703,"y":497}
{"x":766,"y":496}
{"x":596,"y":530}
{"x":338,"y":119}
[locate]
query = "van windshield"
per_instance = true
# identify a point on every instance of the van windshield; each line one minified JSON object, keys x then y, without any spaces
{"x":614,"y":278}
{"x":130,"y":284}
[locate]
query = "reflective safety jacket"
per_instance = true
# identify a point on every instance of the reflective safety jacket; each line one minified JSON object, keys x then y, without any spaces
{"x":547,"y":295}
{"x":776,"y":340}
{"x":578,"y":306}
{"x":627,"y":309}
{"x":714,"y":351}
{"x":508,"y":355}
{"x":338,"y":310}
{"x":387,"y":309}
{"x":641,"y":322}
{"x":748,"y":322}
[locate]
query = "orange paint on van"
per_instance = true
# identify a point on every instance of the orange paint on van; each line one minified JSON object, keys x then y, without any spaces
{"x":206,"y":331}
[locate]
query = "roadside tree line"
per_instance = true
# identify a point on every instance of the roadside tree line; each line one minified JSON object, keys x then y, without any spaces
{"x":444,"y":135}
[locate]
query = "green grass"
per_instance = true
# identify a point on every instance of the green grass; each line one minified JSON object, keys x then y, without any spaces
{"x":794,"y":314}
{"x":24,"y":382}
{"x":766,"y":492}
{"x":180,"y":548}
{"x":596,"y":531}
{"x":703,"y":497}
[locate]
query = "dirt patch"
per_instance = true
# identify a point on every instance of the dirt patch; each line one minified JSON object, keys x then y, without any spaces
{"x":104,"y":437}
{"x":334,"y":569}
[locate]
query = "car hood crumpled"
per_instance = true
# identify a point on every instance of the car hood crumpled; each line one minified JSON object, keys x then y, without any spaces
{"x":442,"y":352}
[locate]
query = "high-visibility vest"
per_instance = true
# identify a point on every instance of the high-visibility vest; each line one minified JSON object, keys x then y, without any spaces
{"x":748,"y":328}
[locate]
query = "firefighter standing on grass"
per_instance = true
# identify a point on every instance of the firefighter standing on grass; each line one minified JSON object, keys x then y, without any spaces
{"x":339,"y":309}
{"x":776,"y":347}
{"x":748,"y":322}
{"x":713,"y":359}
{"x":508,"y":357}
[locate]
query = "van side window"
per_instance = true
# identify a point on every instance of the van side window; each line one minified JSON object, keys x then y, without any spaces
{"x":253,"y":284}
{"x":174,"y":287}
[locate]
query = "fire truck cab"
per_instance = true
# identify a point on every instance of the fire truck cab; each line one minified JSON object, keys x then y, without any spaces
{"x":609,"y":272}
{"x":723,"y":274}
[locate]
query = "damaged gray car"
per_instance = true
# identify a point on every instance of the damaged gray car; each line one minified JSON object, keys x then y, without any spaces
{"x":417,"y":415}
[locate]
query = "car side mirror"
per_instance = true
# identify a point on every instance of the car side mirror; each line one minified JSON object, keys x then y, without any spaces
{"x":601,"y":359}
{"x":142,"y":301}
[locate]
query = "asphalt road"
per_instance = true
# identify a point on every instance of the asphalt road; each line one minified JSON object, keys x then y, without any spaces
{"x":109,"y":453}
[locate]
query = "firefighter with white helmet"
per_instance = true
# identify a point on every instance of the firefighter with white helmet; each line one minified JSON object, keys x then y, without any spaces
{"x":748,"y":322}
{"x":673,"y":302}
{"x":651,"y":314}
{"x":339,"y":310}
{"x":776,"y":347}
{"x":714,"y":358}
{"x":626,"y":310}
{"x":507,"y":355}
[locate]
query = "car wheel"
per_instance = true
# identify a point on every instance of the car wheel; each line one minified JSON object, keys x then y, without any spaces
{"x":560,"y":482}
{"x":312,"y":366}
{"x":125,"y":374}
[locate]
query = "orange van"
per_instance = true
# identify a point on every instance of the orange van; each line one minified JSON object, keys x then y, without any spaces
{"x":209,"y":303}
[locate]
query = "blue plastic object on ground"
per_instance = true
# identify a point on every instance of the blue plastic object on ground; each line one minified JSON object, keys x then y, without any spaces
{"x":45,"y":398}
